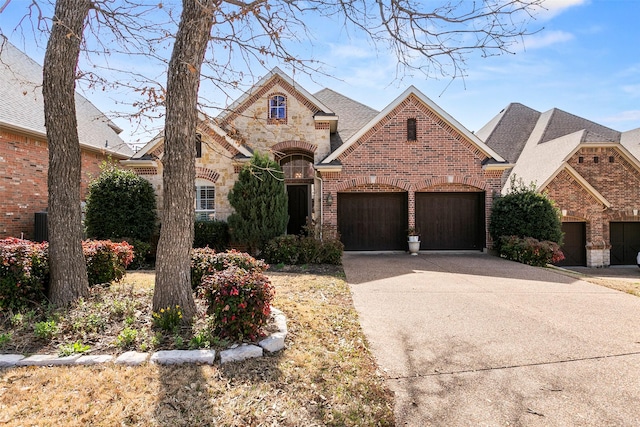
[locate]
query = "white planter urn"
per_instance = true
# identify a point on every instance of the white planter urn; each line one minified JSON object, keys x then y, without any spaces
{"x":414,"y":246}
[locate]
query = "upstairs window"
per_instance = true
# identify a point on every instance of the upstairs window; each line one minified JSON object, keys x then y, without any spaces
{"x":198,"y":146}
{"x":412,"y":130}
{"x":277,"y":108}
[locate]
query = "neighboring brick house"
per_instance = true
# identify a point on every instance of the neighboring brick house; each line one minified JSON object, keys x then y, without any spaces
{"x":369,"y":174}
{"x":24,"y":154}
{"x":590,"y":171}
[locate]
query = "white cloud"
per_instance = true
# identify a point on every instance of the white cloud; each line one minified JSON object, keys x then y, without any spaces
{"x":547,"y":38}
{"x":551,"y":8}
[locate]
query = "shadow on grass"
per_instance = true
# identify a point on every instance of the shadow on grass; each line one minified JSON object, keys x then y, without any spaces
{"x":233,"y":394}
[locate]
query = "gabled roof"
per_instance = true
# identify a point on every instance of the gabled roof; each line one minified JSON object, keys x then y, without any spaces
{"x":412,"y":91}
{"x":22,"y":106}
{"x":212,"y":129}
{"x":508,"y":132}
{"x":247,"y":99}
{"x":562,"y":123}
{"x":353,"y":115}
{"x":631,"y":141}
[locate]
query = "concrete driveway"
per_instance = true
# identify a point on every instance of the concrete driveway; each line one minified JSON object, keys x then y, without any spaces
{"x":474,"y":340}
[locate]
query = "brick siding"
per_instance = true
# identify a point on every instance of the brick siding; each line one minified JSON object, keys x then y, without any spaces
{"x":24,"y":162}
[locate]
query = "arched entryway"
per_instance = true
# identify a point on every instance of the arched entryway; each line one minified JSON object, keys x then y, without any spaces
{"x":298,"y":177}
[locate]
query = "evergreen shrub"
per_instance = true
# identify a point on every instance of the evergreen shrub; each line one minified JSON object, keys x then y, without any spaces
{"x":213,"y":234}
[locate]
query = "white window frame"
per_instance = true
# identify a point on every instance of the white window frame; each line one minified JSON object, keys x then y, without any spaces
{"x":278,"y":104}
{"x":205,"y":207}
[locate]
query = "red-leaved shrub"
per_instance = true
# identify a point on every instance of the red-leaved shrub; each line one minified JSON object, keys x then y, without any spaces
{"x":240,"y":302}
{"x":24,"y":273}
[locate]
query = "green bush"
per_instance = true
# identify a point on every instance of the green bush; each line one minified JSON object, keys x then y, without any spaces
{"x":525,"y":213}
{"x":294,"y":250}
{"x":141,"y":251}
{"x":282,"y":250}
{"x":213,"y":234}
{"x":120,"y":204}
{"x":260,"y":203}
{"x":24,"y":273}
{"x":239,"y":301}
{"x":530,"y":251}
{"x":106,"y":260}
{"x":206,"y":261}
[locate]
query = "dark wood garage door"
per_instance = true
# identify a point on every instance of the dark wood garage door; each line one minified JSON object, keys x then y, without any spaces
{"x":373,"y":221}
{"x":574,"y":246}
{"x":451,"y":220}
{"x":625,"y":242}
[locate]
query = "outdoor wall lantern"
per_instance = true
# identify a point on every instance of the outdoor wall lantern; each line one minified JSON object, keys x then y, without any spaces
{"x":564,"y":212}
{"x":635,"y":212}
{"x":329,"y":199}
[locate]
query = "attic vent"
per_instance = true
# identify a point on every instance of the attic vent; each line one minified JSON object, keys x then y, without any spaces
{"x":580,"y":159}
{"x":611,"y":159}
{"x":596,"y":159}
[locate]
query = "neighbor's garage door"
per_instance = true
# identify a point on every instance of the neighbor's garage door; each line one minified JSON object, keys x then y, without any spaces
{"x":625,"y":242}
{"x":451,"y":220}
{"x":574,"y":246}
{"x":373,"y":221}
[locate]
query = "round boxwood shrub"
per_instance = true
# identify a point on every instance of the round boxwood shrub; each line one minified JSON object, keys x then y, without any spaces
{"x":524,"y":212}
{"x":120,"y":204}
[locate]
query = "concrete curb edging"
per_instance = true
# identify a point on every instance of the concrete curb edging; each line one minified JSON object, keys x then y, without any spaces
{"x":236,"y":353}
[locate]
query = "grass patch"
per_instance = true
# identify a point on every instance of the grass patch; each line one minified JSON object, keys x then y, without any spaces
{"x":325,"y":377}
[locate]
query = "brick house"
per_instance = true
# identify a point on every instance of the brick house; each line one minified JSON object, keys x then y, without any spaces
{"x":24,"y":154}
{"x":371,"y":175}
{"x":592,"y":173}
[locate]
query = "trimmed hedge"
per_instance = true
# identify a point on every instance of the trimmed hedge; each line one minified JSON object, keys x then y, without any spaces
{"x":24,"y":272}
{"x":530,"y":251}
{"x":24,"y":268}
{"x":120,"y":204}
{"x":292,"y":250}
{"x":212,"y":234}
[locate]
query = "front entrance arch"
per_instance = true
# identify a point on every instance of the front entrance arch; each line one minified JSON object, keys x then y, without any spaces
{"x":298,"y":177}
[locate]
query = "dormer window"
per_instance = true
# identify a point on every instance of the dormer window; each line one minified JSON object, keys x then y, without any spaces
{"x":277,"y":108}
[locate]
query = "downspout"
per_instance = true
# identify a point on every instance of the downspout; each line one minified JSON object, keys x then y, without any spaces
{"x":321,"y":204}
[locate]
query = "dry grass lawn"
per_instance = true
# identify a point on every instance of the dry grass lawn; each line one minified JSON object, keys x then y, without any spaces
{"x":325,"y":377}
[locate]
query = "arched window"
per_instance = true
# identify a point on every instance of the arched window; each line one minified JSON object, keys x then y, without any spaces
{"x":297,"y":167}
{"x":278,"y":108}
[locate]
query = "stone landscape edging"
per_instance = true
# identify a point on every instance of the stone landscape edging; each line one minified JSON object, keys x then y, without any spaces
{"x":272,"y":343}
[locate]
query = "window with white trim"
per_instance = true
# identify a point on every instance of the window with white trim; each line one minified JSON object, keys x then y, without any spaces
{"x":277,"y":107}
{"x":205,"y":201}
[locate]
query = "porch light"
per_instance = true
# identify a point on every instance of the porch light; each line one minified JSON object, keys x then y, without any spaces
{"x":564,"y":212}
{"x":635,"y":212}
{"x":329,"y":199}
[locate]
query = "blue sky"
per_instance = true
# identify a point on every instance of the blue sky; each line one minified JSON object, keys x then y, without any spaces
{"x":586,"y":61}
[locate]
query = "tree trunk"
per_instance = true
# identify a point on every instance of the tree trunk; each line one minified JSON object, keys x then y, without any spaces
{"x":68,"y":270}
{"x":173,"y":284}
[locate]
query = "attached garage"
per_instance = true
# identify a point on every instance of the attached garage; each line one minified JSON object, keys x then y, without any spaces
{"x":373,"y":221}
{"x":575,"y":244}
{"x":451,"y":221}
{"x":625,"y":242}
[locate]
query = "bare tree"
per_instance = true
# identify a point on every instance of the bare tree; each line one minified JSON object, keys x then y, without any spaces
{"x":173,"y":280}
{"x":433,"y":38}
{"x":68,"y":271}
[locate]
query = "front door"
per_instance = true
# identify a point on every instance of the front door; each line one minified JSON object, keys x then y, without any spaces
{"x":298,"y":207}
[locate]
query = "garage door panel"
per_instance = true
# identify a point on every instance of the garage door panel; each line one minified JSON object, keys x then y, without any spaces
{"x":373,"y":221}
{"x":451,"y":220}
{"x":574,"y":246}
{"x":625,"y":242}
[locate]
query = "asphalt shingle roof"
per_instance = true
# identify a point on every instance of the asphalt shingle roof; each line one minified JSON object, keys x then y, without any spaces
{"x":509,"y":131}
{"x":22,"y":105}
{"x":352,"y":115}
